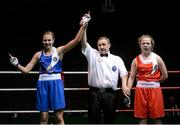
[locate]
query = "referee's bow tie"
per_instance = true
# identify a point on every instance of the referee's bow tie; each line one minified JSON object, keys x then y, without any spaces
{"x":104,"y":55}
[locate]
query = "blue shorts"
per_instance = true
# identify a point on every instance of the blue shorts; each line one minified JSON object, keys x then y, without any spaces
{"x":50,"y":95}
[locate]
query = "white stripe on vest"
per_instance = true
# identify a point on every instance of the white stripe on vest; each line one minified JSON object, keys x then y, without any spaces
{"x":54,"y":60}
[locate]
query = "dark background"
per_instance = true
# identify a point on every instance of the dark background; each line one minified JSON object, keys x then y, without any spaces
{"x":23,"y":21}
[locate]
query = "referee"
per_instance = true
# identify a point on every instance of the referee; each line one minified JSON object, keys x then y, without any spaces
{"x":104,"y":70}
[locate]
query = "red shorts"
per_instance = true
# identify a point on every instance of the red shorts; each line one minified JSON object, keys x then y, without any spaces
{"x":148,"y":103}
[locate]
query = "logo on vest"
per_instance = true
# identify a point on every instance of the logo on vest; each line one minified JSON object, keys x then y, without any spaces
{"x":114,"y":68}
{"x":55,"y":59}
{"x":155,"y":67}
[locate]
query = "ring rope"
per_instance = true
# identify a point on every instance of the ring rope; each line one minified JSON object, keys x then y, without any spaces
{"x":36,"y":72}
{"x":67,"y":89}
{"x":65,"y":72}
{"x":68,"y":72}
{"x":74,"y":111}
{"x":35,"y":111}
{"x":33,"y":89}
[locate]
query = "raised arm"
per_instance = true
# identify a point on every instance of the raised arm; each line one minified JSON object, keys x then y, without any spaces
{"x":76,"y":40}
{"x":24,"y":69}
{"x":84,"y":39}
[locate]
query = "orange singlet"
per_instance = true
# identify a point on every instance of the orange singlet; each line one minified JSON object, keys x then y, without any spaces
{"x":148,"y":101}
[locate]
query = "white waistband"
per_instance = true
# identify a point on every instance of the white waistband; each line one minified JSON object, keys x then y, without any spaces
{"x":43,"y":77}
{"x":143,"y":84}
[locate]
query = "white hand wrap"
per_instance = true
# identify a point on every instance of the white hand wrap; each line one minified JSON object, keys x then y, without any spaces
{"x":14,"y":61}
{"x":127,"y":101}
{"x":86,"y":19}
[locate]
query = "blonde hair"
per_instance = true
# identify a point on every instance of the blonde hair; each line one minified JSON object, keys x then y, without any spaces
{"x":146,"y":36}
{"x":49,"y":33}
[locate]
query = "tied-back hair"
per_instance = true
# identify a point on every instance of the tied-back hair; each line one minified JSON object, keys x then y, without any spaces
{"x":48,"y":32}
{"x":146,"y":36}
